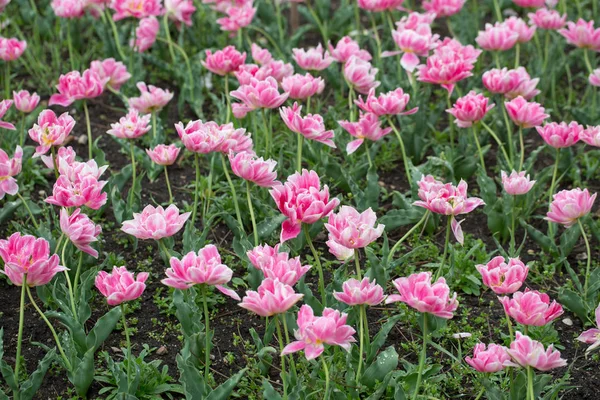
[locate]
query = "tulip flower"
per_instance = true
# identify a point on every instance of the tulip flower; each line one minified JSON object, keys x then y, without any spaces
{"x":80,"y":230}
{"x":531,"y":308}
{"x":74,"y":86}
{"x":367,"y":127}
{"x":310,"y":126}
{"x":155,"y":222}
{"x":346,"y":48}
{"x":302,"y":87}
{"x":271,"y":298}
{"x":355,"y":292}
{"x":517,"y":183}
{"x":592,"y":336}
{"x":582,"y":34}
{"x":131,"y":126}
{"x":135,"y":8}
{"x":78,"y":185}
{"x":257,"y":95}
{"x":152,"y":99}
{"x":237,"y":18}
{"x":164,"y":155}
{"x":391,"y":103}
{"x":50,"y":131}
{"x":25,"y":101}
{"x":591,"y":135}
{"x":277,"y":265}
{"x":223,"y":62}
{"x":511,"y":83}
{"x":360,"y":75}
{"x":526,"y":353}
{"x":259,"y":55}
{"x":115,"y":71}
{"x":544,"y":18}
{"x":379,"y":5}
{"x":145,"y":34}
{"x":413,"y":43}
{"x":313,"y":59}
{"x":489,"y":360}
{"x":530,"y":3}
{"x":9,"y":168}
{"x":594,"y":77}
{"x":443,"y":8}
{"x":179,"y":11}
{"x":498,"y":37}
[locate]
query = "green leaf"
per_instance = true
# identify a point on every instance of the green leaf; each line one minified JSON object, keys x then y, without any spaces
{"x":568,"y":240}
{"x":542,"y":240}
{"x":397,"y":218}
{"x":224,"y":390}
{"x":5,"y":369}
{"x":574,"y":302}
{"x":194,"y":385}
{"x":386,"y":362}
{"x":487,"y":189}
{"x":83,"y":373}
{"x":29,"y":388}
{"x":269,"y":392}
{"x":8,"y":210}
{"x":381,"y":336}
{"x":103,"y":327}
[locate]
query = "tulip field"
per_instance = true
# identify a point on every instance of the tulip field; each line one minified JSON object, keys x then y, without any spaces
{"x":299,"y":199}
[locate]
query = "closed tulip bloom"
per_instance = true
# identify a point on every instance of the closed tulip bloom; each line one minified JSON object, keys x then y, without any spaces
{"x":180,"y":11}
{"x":277,"y":265}
{"x":503,"y":277}
{"x":355,"y":292}
{"x":360,"y":74}
{"x":237,"y":18}
{"x":223,"y":62}
{"x":498,"y":37}
{"x":120,"y":285}
{"x":367,"y":127}
{"x":314,"y":333}
{"x":569,"y":205}
{"x":259,"y":55}
{"x":249,"y":167}
{"x":155,"y":223}
{"x":302,"y":200}
{"x":131,"y":126}
{"x":115,"y":71}
{"x":516,"y":183}
{"x":379,"y":5}
{"x":526,"y":352}
{"x":27,"y":255}
{"x":346,"y":48}
{"x":271,"y":298}
{"x":74,"y":86}
{"x":50,"y":130}
{"x":310,"y":126}
{"x":418,"y":292}
{"x":80,"y":230}
{"x":470,"y":108}
{"x":200,"y":137}
{"x":530,"y":3}
{"x":591,"y":136}
{"x":443,"y":8}
{"x":489,"y":360}
{"x":531,"y":308}
{"x":11,"y":48}
{"x":592,"y":336}
{"x":301,"y":87}
{"x":164,"y":154}
{"x":4,"y":107}
{"x":560,"y":135}
{"x":520,"y":27}
{"x":205,"y":267}
{"x":390,"y":103}
{"x":525,"y":114}
{"x":582,"y":34}
{"x":135,"y":8}
{"x":145,"y":34}
{"x":349,"y":230}
{"x":257,"y":94}
{"x":313,"y":59}
{"x":10,"y":167}
{"x":152,"y":99}
{"x":547,"y":19}
{"x":25,"y":101}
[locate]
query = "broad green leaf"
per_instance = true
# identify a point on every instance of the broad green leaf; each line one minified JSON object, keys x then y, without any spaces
{"x":224,"y":390}
{"x":29,"y":388}
{"x":385,"y":362}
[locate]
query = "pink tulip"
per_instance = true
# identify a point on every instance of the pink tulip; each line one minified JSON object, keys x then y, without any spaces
{"x":390,"y":103}
{"x":592,"y":336}
{"x":131,"y":126}
{"x":526,"y":352}
{"x":95,"y":7}
{"x":582,"y":34}
{"x":470,"y":108}
{"x":10,"y":167}
{"x":115,"y":71}
{"x":260,"y":56}
{"x":547,"y":19}
{"x":155,"y":223}
{"x":355,"y":292}
{"x":271,"y":298}
{"x":380,"y":5}
{"x":27,"y":255}
{"x":418,"y":292}
{"x":531,"y":308}
{"x":443,"y":8}
{"x":180,"y":11}
{"x":120,"y":285}
{"x":135,"y":8}
{"x":205,"y":267}
{"x":249,"y":167}
{"x":511,"y":83}
{"x":74,"y":86}
{"x":257,"y":94}
{"x":277,"y":265}
{"x":569,"y":205}
{"x":591,"y":136}
{"x":360,"y":74}
{"x":64,"y":156}
{"x":524,"y":114}
{"x":313,"y":59}
{"x":560,"y":135}
{"x":11,"y":48}
{"x":520,"y":27}
{"x":4,"y":107}
{"x":163,"y":154}
{"x":68,"y":8}
{"x":414,"y":19}
{"x":413,"y":43}
{"x":80,"y":230}
{"x":78,"y":185}
{"x":152,"y":99}
{"x":145,"y":34}
{"x":367,"y":127}
{"x":237,"y":18}
{"x":200,"y":137}
{"x":594,"y":78}
{"x":302,"y":200}
{"x":50,"y":131}
{"x":24,"y":101}
{"x":346,"y":48}
{"x":503,"y":277}
{"x":490,"y":360}
{"x":277,"y":69}
{"x":530,"y":3}
{"x":232,"y":139}
{"x":302,"y":87}
{"x":516,"y":183}
{"x":3,"y":4}
{"x":223,"y":62}
{"x":498,"y":37}
{"x":311,"y":126}
{"x":315,"y":332}
{"x":349,"y":230}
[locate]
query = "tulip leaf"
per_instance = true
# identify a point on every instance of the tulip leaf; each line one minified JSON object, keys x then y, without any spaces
{"x":224,"y":390}
{"x":83,"y":373}
{"x":103,"y":327}
{"x":29,"y":388}
{"x":542,"y":240}
{"x":568,"y":240}
{"x":269,"y":392}
{"x":385,"y":362}
{"x":381,"y":336}
{"x":381,"y":388}
{"x":396,"y":218}
{"x":5,"y":369}
{"x":574,"y":302}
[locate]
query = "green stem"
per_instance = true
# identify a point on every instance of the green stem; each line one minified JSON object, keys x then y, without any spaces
{"x":509,"y":324}
{"x":22,"y":131}
{"x":133,"y":174}
{"x":478,"y":147}
{"x":421,"y":358}
{"x":68,"y":278}
{"x":350,"y":102}
{"x":589,"y":259}
{"x":498,"y":12}
{"x":70,"y":46}
{"x":512,"y":230}
{"x":509,"y":135}
{"x":33,"y":220}
{"x":6,"y":79}
{"x":317,"y":263}
{"x":187,"y":63}
{"x":154,"y":127}
{"x":33,"y":6}
{"x":481,"y":392}
{"x":78,"y":272}
{"x":517,"y":54}
{"x":497,"y":59}
{"x":283,"y":373}
{"x":530,"y":392}
{"x":209,"y":186}
{"x":268,"y":37}
{"x":251,"y":208}
{"x":89,"y":129}
{"x":326,"y":396}
{"x":128,"y":340}
{"x":116,"y":35}
{"x":299,"y":152}
{"x":500,"y":144}
{"x":279,"y":21}
{"x":320,"y":25}
{"x":168,"y":186}
{"x":368,"y":154}
{"x":233,"y":193}
{"x":362,"y":340}
{"x":206,"y":333}
{"x":267,"y":133}
{"x":586,"y":57}
{"x":403,"y":238}
{"x":357,"y":19}
{"x":376,"y":34}
{"x":196,"y":188}
{"x":20,"y":334}
{"x":228,"y":116}
{"x":164,"y":249}
{"x":546,"y":51}
{"x":553,"y":183}
{"x":54,"y":161}
{"x":168,"y":35}
{"x":357,"y":264}
{"x":446,"y":243}
{"x":403,"y":149}
{"x":287,"y":340}
{"x":450,"y":124}
{"x":522,"y":144}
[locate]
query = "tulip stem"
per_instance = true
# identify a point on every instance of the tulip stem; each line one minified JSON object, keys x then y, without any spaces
{"x":317,"y":263}
{"x":168,"y":35}
{"x":206,"y":333}
{"x":163,"y":248}
{"x":376,"y":34}
{"x":153,"y":114}
{"x":22,"y":131}
{"x":421,"y":358}
{"x":320,"y":25}
{"x":209,"y":186}
{"x":522,"y":144}
{"x":116,"y":36}
{"x":20,"y":334}
{"x":283,"y":374}
{"x":54,"y":162}
{"x":228,"y":99}
{"x":357,"y":263}
{"x":509,"y":324}
{"x":589,"y":259}
{"x":133,"y":174}
{"x":196,"y":188}
{"x":78,"y":272}
{"x":6,"y":79}
{"x":368,"y":155}
{"x":70,"y":45}
{"x":478,"y":147}
{"x":357,"y":20}
{"x":530,"y":392}
{"x":267,"y":133}
{"x":168,"y":186}
{"x":89,"y":129}
{"x":326,"y":370}
{"x":552,"y":184}
{"x":403,"y":238}
{"x":350,"y":102}
{"x":446,"y":243}
{"x":500,"y":144}
{"x":586,"y":57}
{"x":362,"y":340}
{"x":509,"y":133}
{"x":481,"y":392}
{"x":299,"y":153}
{"x":233,"y":194}
{"x":403,"y":149}
{"x":60,"y":349}
{"x":546,"y":51}
{"x":279,"y":21}
{"x":251,"y":208}
{"x":449,"y":102}
{"x":517,"y":54}
{"x":287,"y":340}
{"x":513,"y":244}
{"x":33,"y":220}
{"x":128,"y":340}
{"x":68,"y":278}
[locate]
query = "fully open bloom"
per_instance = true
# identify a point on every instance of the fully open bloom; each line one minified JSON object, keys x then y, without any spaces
{"x":80,"y":230}
{"x":78,"y":184}
{"x":443,"y":8}
{"x":544,"y":18}
{"x":68,"y":8}
{"x":367,"y":127}
{"x":349,"y":230}
{"x":470,"y":108}
{"x":135,"y":8}
{"x":524,"y":32}
{"x":526,"y":352}
{"x":355,"y":292}
{"x":277,"y":265}
{"x":64,"y":156}
{"x":315,"y":332}
{"x":152,"y":99}
{"x":4,"y":107}
{"x":569,"y":205}
{"x":525,"y":114}
{"x":223,"y":62}
{"x":259,"y":55}
{"x":418,"y":292}
{"x":115,"y":71}
{"x":155,"y":223}
{"x":234,"y":139}
{"x":511,"y":83}
{"x":272,"y":297}
{"x":591,"y":135}
{"x":379,"y":5}
{"x":11,"y":48}
{"x":346,"y":48}
{"x":503,"y":277}
{"x":25,"y":101}
{"x":413,"y":43}
{"x":27,"y":255}
{"x":592,"y":336}
{"x":531,"y":308}
{"x":74,"y":86}
{"x":180,"y":11}
{"x":120,"y":285}
{"x":313,"y":59}
{"x":492,"y":359}
{"x":301,"y":87}
{"x":516,"y":183}
{"x":145,"y":34}
{"x":390,"y":103}
{"x":302,"y":200}
{"x":498,"y":37}
{"x":131,"y":126}
{"x":197,"y":269}
{"x":248,"y":166}
{"x":237,"y":18}
{"x":50,"y":131}
{"x":560,"y":135}
{"x":310,"y":126}
{"x":582,"y":34}
{"x":163,"y":154}
{"x":257,"y":94}
{"x":360,"y":74}
{"x":200,"y":137}
{"x":9,"y":167}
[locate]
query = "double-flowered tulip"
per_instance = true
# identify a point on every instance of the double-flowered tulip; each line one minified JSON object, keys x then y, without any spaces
{"x":155,"y":222}
{"x":272,"y":297}
{"x":349,"y":230}
{"x":120,"y":285}
{"x":526,"y":352}
{"x":277,"y":264}
{"x":531,"y":308}
{"x":489,"y":360}
{"x":568,"y":206}
{"x":503,"y":277}
{"x":80,"y":230}
{"x":355,"y":292}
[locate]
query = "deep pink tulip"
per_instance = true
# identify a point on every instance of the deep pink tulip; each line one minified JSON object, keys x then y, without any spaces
{"x":547,"y":19}
{"x":234,"y":139}
{"x":390,"y":103}
{"x":11,"y":48}
{"x":498,"y":37}
{"x":313,"y":59}
{"x":135,"y":8}
{"x":80,"y":230}
{"x":314,"y":333}
{"x":249,"y":167}
{"x":560,"y":135}
{"x":10,"y":167}
{"x":301,"y":87}
{"x":68,"y":8}
{"x":360,"y":74}
{"x":152,"y":99}
{"x":78,"y":185}
{"x":582,"y":34}
{"x":115,"y":71}
{"x":414,"y":19}
{"x":367,"y":127}
{"x":131,"y":126}
{"x":302,"y":200}
{"x":27,"y":255}
{"x":511,"y":83}
{"x":525,"y":114}
{"x":155,"y":223}
{"x":346,"y":48}
{"x":74,"y":86}
{"x":443,"y":8}
{"x":200,"y":137}
{"x":569,"y":205}
{"x":261,"y":56}
{"x":24,"y":101}
{"x":413,"y":43}
{"x":418,"y":292}
{"x":257,"y":94}
{"x":50,"y":131}
{"x":489,"y":360}
{"x":592,"y":336}
{"x":380,"y":5}
{"x":4,"y":107}
{"x":237,"y":18}
{"x":276,"y":69}
{"x":205,"y":267}
{"x":120,"y":285}
{"x":526,"y":352}
{"x":311,"y":126}
{"x":271,"y":298}
{"x":223,"y":62}
{"x":503,"y":277}
{"x":516,"y":183}
{"x":277,"y":265}
{"x":520,"y":27}
{"x":145,"y":34}
{"x":349,"y":230}
{"x":469,"y":109}
{"x":164,"y":154}
{"x":65,"y":156}
{"x":531,"y":308}
{"x":530,"y":3}
{"x":180,"y":11}
{"x":591,"y":136}
{"x":355,"y":292}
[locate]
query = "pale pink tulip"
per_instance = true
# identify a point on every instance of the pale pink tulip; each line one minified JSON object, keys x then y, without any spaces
{"x":180,"y":11}
{"x":131,"y":126}
{"x":249,"y":167}
{"x":313,"y":59}
{"x":223,"y":62}
{"x":360,"y":74}
{"x":591,"y":136}
{"x":511,"y":83}
{"x":560,"y":135}
{"x":120,"y":285}
{"x":68,"y":8}
{"x":232,"y":139}
{"x":277,"y":265}
{"x":260,"y":56}
{"x":594,"y":78}
{"x":78,"y":185}
{"x":135,"y":8}
{"x":11,"y":48}
{"x":503,"y":277}
{"x":145,"y":34}
{"x":592,"y":336}
{"x":498,"y":37}
{"x":346,"y":48}
{"x":64,"y":156}
{"x":390,"y":103}
{"x":367,"y":127}
{"x":569,"y":205}
{"x":276,"y":69}
{"x":311,"y":126}
{"x":200,"y":137}
{"x":469,"y":109}
{"x":152,"y":99}
{"x":414,"y":19}
{"x":520,"y":27}
{"x":237,"y":18}
{"x":115,"y":71}
{"x":489,"y":360}
{"x":271,"y":298}
{"x":257,"y":94}
{"x":24,"y":101}
{"x":582,"y":34}
{"x":74,"y":86}
{"x":349,"y":230}
{"x":531,"y":308}
{"x":516,"y":183}
{"x":10,"y":167}
{"x":355,"y":292}
{"x":301,"y":87}
{"x":155,"y":223}
{"x":443,"y":8}
{"x":525,"y":114}
{"x":80,"y":230}
{"x":163,"y":154}
{"x":526,"y":352}
{"x":50,"y":131}
{"x":547,"y":19}
{"x":4,"y":107}
{"x":413,"y":43}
